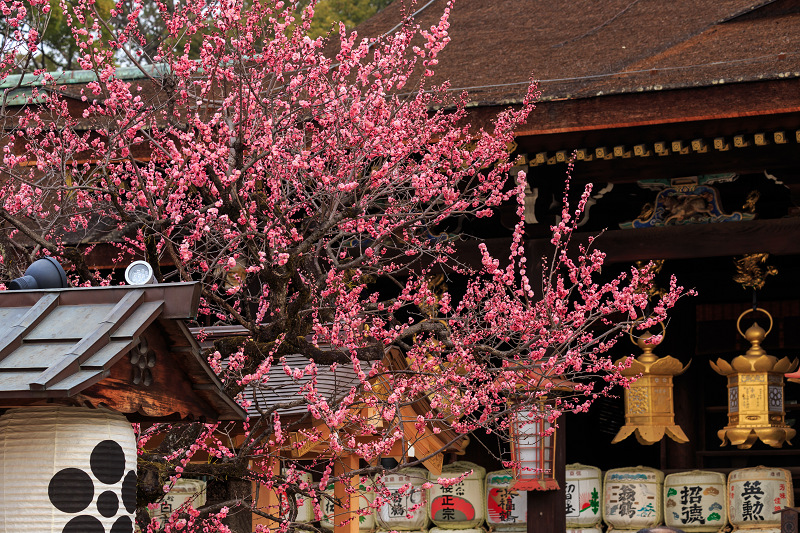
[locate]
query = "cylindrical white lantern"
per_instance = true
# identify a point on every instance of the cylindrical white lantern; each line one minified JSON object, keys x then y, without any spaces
{"x":695,"y":501}
{"x":407,"y":510}
{"x":757,"y":495}
{"x":67,"y":470}
{"x":460,"y":505}
{"x":633,"y":498}
{"x":582,"y":493}
{"x":366,"y":517}
{"x":506,"y":509}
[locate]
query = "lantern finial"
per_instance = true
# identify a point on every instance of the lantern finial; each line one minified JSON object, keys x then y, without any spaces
{"x":649,"y":413}
{"x":755,"y":391}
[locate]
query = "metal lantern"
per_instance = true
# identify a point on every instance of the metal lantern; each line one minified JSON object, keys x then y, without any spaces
{"x":533,"y":450}
{"x":649,"y":411}
{"x":755,"y":392}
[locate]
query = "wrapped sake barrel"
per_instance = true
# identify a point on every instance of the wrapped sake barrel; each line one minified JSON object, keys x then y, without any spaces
{"x":184,"y":493}
{"x":585,"y":530}
{"x":407,"y":508}
{"x":632,"y":498}
{"x":305,"y":506}
{"x":582,"y":492}
{"x":695,"y":501}
{"x":460,"y":505}
{"x":366,"y":517}
{"x":66,"y":469}
{"x":470,"y":530}
{"x":506,"y":509}
{"x":755,"y":495}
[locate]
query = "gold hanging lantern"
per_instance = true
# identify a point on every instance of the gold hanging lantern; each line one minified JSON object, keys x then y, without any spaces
{"x":755,"y":392}
{"x":649,"y":413}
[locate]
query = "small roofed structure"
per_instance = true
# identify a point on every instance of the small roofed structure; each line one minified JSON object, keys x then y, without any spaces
{"x":126,"y":348}
{"x":77,"y":366}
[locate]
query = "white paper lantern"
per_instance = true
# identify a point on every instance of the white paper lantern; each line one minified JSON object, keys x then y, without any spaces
{"x":67,"y":470}
{"x":582,"y":491}
{"x":695,"y":501}
{"x":633,"y":498}
{"x":506,"y":509}
{"x":757,"y":495}
{"x":406,"y":511}
{"x":461,"y":505}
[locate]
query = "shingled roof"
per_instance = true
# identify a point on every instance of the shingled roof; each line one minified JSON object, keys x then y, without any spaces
{"x":70,"y":345}
{"x":584,"y":48}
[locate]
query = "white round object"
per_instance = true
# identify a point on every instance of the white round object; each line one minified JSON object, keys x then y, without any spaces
{"x":583,"y":491}
{"x":407,"y":508}
{"x":460,"y":505}
{"x":506,"y":509}
{"x":470,"y":530}
{"x":67,"y":470}
{"x":366,"y":517}
{"x":139,"y":273}
{"x":184,"y":493}
{"x":632,"y":497}
{"x":305,"y":506}
{"x":695,"y":501}
{"x":757,"y":495}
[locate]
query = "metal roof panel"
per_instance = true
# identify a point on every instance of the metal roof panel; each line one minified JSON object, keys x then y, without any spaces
{"x":70,"y":322}
{"x":38,"y":355}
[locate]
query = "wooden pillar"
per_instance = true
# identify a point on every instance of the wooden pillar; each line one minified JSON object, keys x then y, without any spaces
{"x":265,"y":499}
{"x":346,"y":516}
{"x":547,"y":509}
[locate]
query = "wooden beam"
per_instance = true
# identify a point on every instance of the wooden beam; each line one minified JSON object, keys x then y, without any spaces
{"x":776,"y":236}
{"x":266,"y":500}
{"x":546,"y":508}
{"x":346,"y":515}
{"x":757,"y":99}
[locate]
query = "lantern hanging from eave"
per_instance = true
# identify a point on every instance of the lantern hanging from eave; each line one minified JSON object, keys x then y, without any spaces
{"x":533,"y":449}
{"x":649,"y":410}
{"x":755,"y":392}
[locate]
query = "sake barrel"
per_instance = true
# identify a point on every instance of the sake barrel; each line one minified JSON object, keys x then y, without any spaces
{"x":506,"y":509}
{"x":755,"y":494}
{"x":185,"y":492}
{"x":582,"y":490}
{"x":366,"y":517}
{"x":632,"y":497}
{"x":397,"y":513}
{"x":471,"y":530}
{"x":585,"y":530}
{"x":460,"y":505}
{"x":66,"y":469}
{"x":305,"y":506}
{"x":695,"y":501}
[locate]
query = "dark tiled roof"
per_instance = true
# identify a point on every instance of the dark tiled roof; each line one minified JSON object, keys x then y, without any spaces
{"x":583,"y":48}
{"x":59,"y":343}
{"x":332,"y":385}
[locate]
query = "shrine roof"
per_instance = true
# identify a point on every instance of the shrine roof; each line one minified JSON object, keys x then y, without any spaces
{"x":583,"y":48}
{"x":62,"y":344}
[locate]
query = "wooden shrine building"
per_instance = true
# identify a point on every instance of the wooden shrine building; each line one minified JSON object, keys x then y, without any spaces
{"x":685,"y":116}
